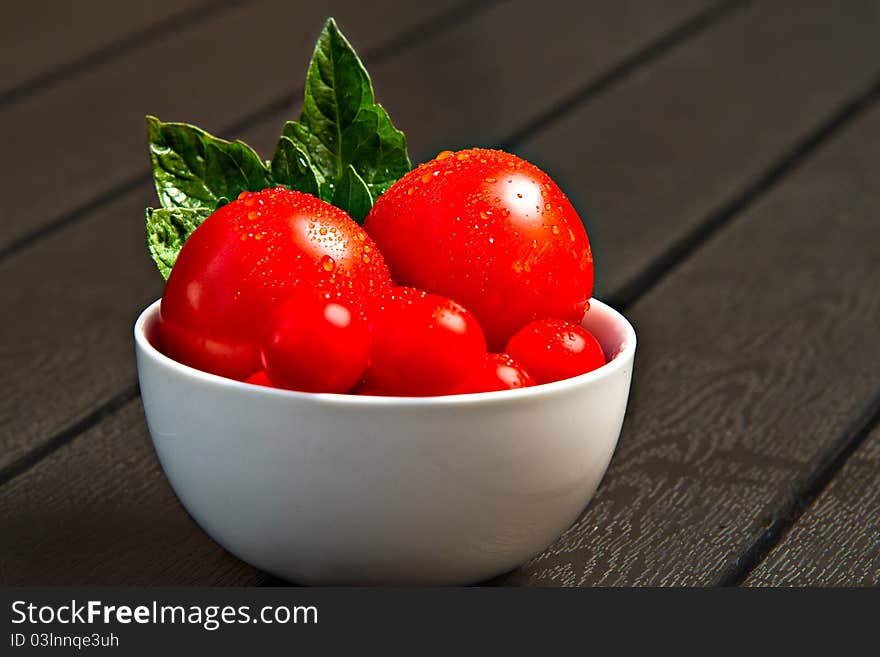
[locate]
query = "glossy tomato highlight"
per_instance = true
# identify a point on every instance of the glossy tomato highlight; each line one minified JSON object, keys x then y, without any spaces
{"x":315,"y":343}
{"x":491,"y":231}
{"x":498,"y":372}
{"x":422,"y":344}
{"x":553,"y":349}
{"x":248,"y":257}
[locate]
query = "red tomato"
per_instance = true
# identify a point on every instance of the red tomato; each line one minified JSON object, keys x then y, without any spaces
{"x":248,"y":257}
{"x":492,"y":231}
{"x":553,"y":349}
{"x":498,"y":372}
{"x":423,"y":344}
{"x":315,"y":343}
{"x":260,"y":379}
{"x":367,"y":389}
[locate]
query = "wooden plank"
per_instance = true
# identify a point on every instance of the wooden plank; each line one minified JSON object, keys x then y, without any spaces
{"x":837,"y":540}
{"x":474,"y":70}
{"x":661,"y":152}
{"x":70,"y":341}
{"x":36,"y":38}
{"x":85,"y":137}
{"x":754,"y":356}
{"x":79,"y":518}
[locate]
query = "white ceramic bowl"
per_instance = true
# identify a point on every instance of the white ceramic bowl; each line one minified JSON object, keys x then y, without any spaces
{"x":343,"y":489}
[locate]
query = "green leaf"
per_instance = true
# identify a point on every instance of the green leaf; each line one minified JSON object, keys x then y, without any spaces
{"x":193,"y":169}
{"x":353,"y":195}
{"x":341,"y":123}
{"x":291,"y":167}
{"x":167,"y":230}
{"x":344,"y":149}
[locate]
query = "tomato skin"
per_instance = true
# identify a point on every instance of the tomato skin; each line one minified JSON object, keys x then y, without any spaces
{"x":498,"y":372}
{"x":315,"y":343}
{"x":553,"y":349}
{"x":248,"y":257}
{"x":260,"y":379}
{"x":367,"y":389}
{"x":423,"y":344}
{"x":491,"y":231}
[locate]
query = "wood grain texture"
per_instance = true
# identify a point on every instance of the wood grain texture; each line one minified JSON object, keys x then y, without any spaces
{"x":663,"y":150}
{"x":99,"y":511}
{"x":89,"y":280}
{"x":753,"y":356}
{"x":38,"y":37}
{"x":836,"y":542}
{"x":86,"y":136}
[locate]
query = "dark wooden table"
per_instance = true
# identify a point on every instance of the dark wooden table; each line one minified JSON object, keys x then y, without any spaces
{"x":725,"y":157}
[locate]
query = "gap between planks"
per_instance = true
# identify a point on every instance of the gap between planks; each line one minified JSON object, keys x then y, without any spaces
{"x":804,"y":492}
{"x":129,"y":43}
{"x":458,"y":14}
{"x":654,"y":50}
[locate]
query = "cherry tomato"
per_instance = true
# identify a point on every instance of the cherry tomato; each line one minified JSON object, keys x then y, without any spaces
{"x":491,"y":231}
{"x":245,"y":259}
{"x":553,"y":349}
{"x":316,"y":343}
{"x":423,"y":344}
{"x":498,"y":372}
{"x":260,"y":379}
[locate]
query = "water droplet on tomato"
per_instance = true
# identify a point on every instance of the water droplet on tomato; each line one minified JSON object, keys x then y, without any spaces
{"x":328,"y":263}
{"x":442,"y":155}
{"x":554,"y":229}
{"x":462,"y":156}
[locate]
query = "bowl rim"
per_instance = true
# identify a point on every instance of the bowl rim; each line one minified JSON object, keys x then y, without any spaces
{"x":624,"y":356}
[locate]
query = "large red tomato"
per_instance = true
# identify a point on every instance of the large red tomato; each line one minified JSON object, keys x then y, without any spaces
{"x":491,"y":231}
{"x":248,"y":257}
